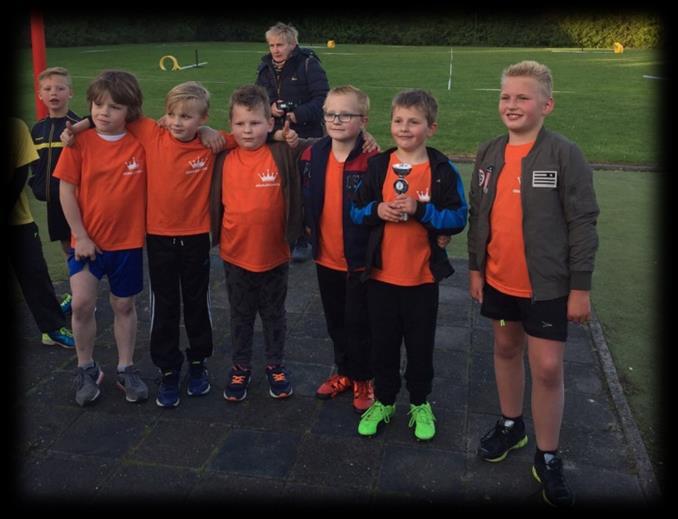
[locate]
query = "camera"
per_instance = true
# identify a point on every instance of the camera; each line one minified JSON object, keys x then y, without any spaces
{"x":285,"y":106}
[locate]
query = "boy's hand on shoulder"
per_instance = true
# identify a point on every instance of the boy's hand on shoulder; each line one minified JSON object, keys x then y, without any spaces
{"x":370,"y":143}
{"x":162,"y":122}
{"x":67,"y":136}
{"x":211,"y":138}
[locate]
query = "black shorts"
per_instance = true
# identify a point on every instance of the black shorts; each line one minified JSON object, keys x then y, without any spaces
{"x":543,"y":319}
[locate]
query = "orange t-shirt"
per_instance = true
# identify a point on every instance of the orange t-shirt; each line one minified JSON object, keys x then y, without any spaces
{"x":405,"y":249}
{"x":111,"y":188}
{"x":331,"y":229}
{"x":179,"y":178}
{"x":253,"y":227}
{"x":506,"y":268}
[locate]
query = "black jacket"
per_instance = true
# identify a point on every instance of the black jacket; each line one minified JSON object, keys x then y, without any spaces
{"x":313,"y":167}
{"x":301,"y":81}
{"x":444,"y":214}
{"x":46,"y":133}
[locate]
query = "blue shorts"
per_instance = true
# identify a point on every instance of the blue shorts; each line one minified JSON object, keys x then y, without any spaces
{"x":124,"y":269}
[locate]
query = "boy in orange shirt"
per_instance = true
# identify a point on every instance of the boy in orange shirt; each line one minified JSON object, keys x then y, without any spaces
{"x":405,"y":259}
{"x":332,"y":169}
{"x":177,"y":226}
{"x":256,"y":215}
{"x":103,"y":192}
{"x":532,"y":242}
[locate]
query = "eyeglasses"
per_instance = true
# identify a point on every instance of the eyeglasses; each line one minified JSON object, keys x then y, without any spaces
{"x":342,"y":117}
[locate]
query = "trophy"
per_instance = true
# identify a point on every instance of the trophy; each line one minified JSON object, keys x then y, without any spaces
{"x":402,"y":169}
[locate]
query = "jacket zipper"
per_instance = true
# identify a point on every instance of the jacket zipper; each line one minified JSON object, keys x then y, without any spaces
{"x":48,"y":171}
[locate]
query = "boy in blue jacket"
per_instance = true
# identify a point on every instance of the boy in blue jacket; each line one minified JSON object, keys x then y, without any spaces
{"x":405,"y":261}
{"x":331,"y":171}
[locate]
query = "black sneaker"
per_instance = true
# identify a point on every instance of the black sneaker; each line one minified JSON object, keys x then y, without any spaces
{"x":550,"y":475}
{"x":238,"y":382}
{"x":501,"y":439}
{"x":278,"y":381}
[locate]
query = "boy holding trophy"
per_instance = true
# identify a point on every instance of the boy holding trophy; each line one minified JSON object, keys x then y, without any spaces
{"x":412,"y":198}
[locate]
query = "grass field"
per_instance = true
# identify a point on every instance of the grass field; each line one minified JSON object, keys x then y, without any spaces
{"x":602,"y":102}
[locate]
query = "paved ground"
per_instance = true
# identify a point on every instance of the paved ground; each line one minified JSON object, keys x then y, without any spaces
{"x":303,"y":450}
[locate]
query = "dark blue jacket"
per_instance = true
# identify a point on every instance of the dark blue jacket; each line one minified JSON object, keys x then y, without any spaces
{"x":444,"y":214}
{"x":46,"y":133}
{"x":313,"y":167}
{"x":302,"y":81}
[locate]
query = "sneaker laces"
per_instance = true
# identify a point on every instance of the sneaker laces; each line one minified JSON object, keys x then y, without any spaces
{"x":278,"y":377}
{"x":131,"y":375}
{"x":65,"y":332}
{"x":498,"y":429}
{"x":80,"y":375}
{"x":335,"y":382}
{"x":421,"y":413}
{"x":377,"y":412}
{"x":238,"y":379}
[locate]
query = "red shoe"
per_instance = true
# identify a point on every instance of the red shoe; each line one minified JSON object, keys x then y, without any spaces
{"x":363,"y":395}
{"x":333,"y":386}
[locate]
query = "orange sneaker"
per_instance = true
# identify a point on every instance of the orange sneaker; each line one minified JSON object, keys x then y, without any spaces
{"x":363,"y":395}
{"x":333,"y":386}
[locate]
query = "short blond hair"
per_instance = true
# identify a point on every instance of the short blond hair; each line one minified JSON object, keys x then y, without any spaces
{"x":362,"y":98}
{"x":288,"y":32}
{"x":190,"y":91}
{"x":528,"y":68}
{"x":56,"y":71}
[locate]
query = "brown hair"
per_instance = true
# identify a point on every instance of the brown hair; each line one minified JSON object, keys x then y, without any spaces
{"x":123,"y":88}
{"x":421,"y":99}
{"x":251,"y":97}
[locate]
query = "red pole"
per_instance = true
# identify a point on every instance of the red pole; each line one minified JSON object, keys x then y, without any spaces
{"x":39,"y":59}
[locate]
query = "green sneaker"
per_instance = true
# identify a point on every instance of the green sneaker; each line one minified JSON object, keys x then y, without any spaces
{"x":370,"y":419}
{"x":422,"y":416}
{"x":62,"y":337}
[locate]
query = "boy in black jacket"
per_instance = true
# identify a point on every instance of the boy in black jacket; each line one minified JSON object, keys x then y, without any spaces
{"x":405,"y":262}
{"x":55,"y":91}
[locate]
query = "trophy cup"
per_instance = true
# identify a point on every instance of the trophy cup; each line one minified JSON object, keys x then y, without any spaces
{"x":402,"y":169}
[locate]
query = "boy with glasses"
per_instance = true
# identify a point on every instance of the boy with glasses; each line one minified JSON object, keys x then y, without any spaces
{"x":332,"y":170}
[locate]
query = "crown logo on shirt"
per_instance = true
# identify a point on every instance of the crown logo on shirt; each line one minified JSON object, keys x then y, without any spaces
{"x":268,"y":176}
{"x":198,"y":163}
{"x":424,"y":196}
{"x":132,"y":164}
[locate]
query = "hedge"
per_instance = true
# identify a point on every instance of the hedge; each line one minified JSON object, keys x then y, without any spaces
{"x":634,"y":30}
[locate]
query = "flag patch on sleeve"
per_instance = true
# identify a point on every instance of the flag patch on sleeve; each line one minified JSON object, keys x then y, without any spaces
{"x":545,"y":179}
